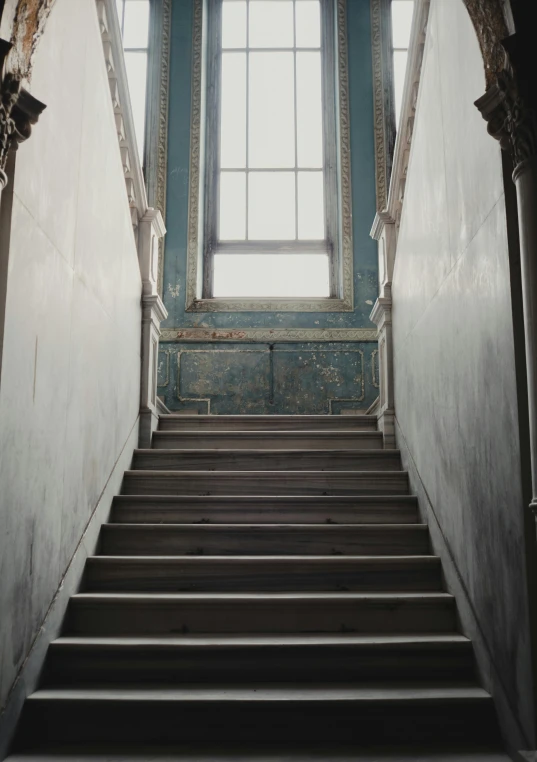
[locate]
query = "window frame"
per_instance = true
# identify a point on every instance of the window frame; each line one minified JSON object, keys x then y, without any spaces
{"x":329,"y":246}
{"x":343,"y":259}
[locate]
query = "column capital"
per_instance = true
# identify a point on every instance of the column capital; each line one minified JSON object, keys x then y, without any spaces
{"x":509,"y":106}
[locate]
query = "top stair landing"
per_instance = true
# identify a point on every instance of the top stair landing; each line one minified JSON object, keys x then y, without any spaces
{"x":268,"y":422}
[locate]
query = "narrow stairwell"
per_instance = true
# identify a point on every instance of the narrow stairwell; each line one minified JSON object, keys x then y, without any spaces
{"x":264,"y":582}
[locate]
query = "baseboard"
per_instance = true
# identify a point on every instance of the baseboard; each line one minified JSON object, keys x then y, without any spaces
{"x":512,"y":731}
{"x":29,"y":673}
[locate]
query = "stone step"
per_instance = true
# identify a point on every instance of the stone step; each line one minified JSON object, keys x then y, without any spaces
{"x":442,"y":750}
{"x":259,"y":539}
{"x":141,"y":509}
{"x":267,"y":422}
{"x":336,"y":658}
{"x":262,"y":574}
{"x":176,"y":613}
{"x":268,"y":440}
{"x":265,"y":483}
{"x":400,"y":714}
{"x":267,"y":460}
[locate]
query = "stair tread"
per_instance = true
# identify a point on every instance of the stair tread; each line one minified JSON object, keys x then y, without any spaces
{"x":269,"y":558}
{"x":264,"y":752}
{"x":268,"y":692}
{"x":225,"y":499}
{"x":266,"y":596}
{"x":256,"y":640}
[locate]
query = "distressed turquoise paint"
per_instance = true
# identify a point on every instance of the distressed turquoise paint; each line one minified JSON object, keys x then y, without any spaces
{"x":365,"y":252}
{"x":244,"y":378}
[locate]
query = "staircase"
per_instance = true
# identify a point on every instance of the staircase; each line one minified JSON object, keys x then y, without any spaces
{"x":264,"y":582}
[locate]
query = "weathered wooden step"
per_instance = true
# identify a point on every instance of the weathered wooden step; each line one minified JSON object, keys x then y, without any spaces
{"x":268,"y":440}
{"x":397,"y":714}
{"x":265,"y":483}
{"x":142,"y":509}
{"x":442,"y":750}
{"x":336,"y":658}
{"x":267,"y":460}
{"x":158,"y":613}
{"x":262,"y":574}
{"x":267,"y":422}
{"x":259,"y":539}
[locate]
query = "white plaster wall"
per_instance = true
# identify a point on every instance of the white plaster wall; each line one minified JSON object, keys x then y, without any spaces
{"x":69,"y":392}
{"x":455,"y":385}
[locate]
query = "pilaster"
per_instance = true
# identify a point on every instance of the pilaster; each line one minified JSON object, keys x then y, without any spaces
{"x":150,"y":230}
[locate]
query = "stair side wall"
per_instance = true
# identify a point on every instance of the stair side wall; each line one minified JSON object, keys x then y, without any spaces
{"x":454,"y":362}
{"x":70,"y":386}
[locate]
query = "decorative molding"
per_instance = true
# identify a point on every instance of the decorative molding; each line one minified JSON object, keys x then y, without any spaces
{"x":269,"y":334}
{"x":194,"y":258}
{"x":383,"y":107}
{"x":195,"y":156}
{"x":121,"y":104}
{"x":159,"y":202}
{"x":375,"y":381}
{"x":492,"y":21}
{"x":392,"y":211}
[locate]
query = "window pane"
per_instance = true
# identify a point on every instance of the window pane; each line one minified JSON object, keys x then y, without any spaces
{"x":308,"y":24}
{"x":233,"y":124}
{"x":136,"y":65}
{"x":401,"y":22}
{"x":271,"y":206}
{"x":233,"y":24}
{"x":309,"y":110}
{"x":232,"y":206}
{"x":271,"y":24}
{"x":310,"y":206}
{"x":136,"y":28}
{"x":271,"y":275}
{"x":271,"y":112}
{"x":399,"y":70}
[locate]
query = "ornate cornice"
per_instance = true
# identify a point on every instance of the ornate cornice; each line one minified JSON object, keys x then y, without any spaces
{"x":19,"y":111}
{"x":509,"y":106}
{"x":269,"y":334}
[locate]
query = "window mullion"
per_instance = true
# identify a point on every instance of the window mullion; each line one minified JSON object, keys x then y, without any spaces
{"x":296,"y":120}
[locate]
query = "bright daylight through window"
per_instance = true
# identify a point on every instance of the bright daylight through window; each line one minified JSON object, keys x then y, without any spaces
{"x":401,"y":25}
{"x":134,"y":25}
{"x":269,"y":232}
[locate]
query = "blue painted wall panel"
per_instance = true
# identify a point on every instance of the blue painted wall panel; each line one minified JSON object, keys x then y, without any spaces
{"x":296,"y":380}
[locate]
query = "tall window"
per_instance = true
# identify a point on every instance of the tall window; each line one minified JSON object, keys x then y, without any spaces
{"x":271,"y":204}
{"x":134,"y":24}
{"x":401,"y":26}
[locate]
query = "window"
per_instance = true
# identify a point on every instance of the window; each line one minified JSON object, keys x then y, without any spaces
{"x":134,"y":24}
{"x":271,"y":219}
{"x":402,"y":11}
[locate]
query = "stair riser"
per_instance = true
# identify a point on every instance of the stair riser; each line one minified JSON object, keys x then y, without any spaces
{"x":259,"y":483}
{"x":160,"y":722}
{"x":206,"y":575}
{"x":268,"y":423}
{"x":292,"y":615}
{"x":152,"y":512}
{"x":163,"y":440}
{"x":289,"y":460}
{"x":262,"y":664}
{"x":258,"y":541}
